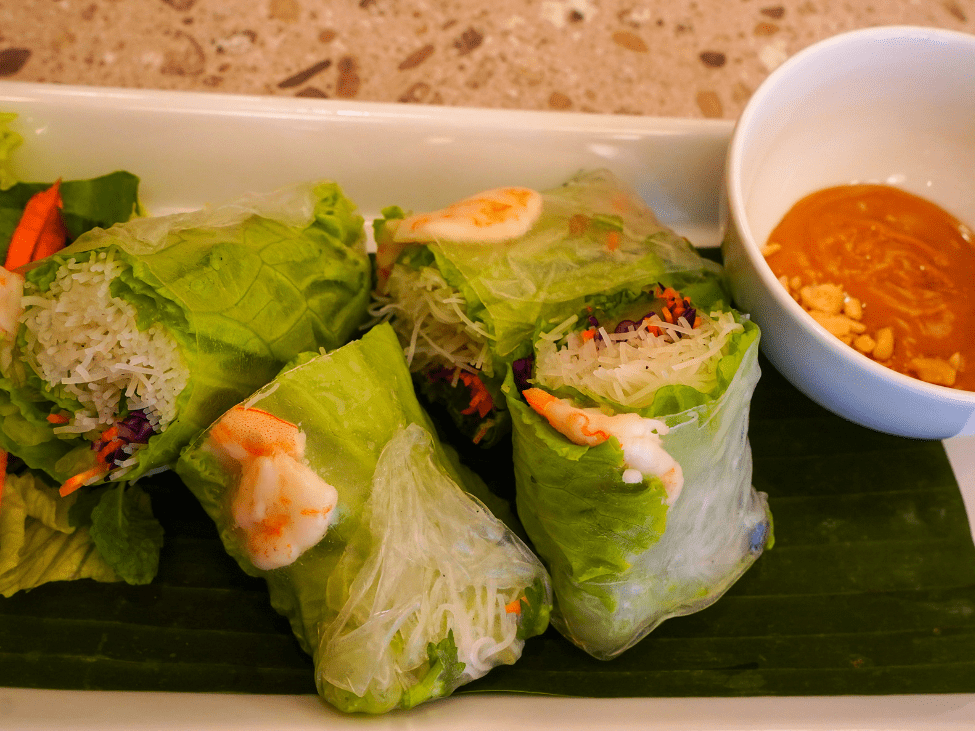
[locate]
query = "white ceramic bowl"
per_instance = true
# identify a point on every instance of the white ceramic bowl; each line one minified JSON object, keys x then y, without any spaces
{"x":889,"y":105}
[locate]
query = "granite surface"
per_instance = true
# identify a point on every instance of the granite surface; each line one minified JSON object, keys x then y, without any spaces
{"x":683,"y":58}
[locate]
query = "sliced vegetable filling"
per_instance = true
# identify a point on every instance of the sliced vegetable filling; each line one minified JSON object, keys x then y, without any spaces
{"x":447,"y":349}
{"x":86,"y":346}
{"x":629,"y":358}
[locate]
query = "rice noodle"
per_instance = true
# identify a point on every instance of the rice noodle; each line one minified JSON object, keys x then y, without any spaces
{"x":429,"y":318}
{"x":630,"y":367}
{"x":85,"y":343}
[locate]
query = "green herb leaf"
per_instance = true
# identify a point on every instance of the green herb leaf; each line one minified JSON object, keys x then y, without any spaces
{"x":535,"y":611}
{"x":9,"y":141}
{"x":126,"y":533}
{"x":444,"y":673}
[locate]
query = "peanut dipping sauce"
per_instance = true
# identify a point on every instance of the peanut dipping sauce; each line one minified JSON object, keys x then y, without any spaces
{"x":897,"y":262}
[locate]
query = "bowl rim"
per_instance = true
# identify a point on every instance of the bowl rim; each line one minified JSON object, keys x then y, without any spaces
{"x":752,"y":248}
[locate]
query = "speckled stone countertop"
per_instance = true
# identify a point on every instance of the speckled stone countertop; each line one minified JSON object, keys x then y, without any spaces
{"x":681,"y":58}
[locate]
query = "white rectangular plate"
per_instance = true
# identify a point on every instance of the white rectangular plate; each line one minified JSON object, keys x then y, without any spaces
{"x":193,"y":149}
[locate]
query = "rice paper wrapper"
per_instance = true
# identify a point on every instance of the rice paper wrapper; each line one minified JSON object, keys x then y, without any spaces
{"x":242,"y":288}
{"x":622,"y":560}
{"x":416,"y":587}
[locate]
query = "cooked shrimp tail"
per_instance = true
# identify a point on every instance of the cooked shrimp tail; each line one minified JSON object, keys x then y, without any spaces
{"x":639,"y":437}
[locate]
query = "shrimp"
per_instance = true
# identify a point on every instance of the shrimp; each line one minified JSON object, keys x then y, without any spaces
{"x":243,"y":432}
{"x":639,"y":438}
{"x":282,"y":506}
{"x":489,"y":217}
{"x":11,"y":297}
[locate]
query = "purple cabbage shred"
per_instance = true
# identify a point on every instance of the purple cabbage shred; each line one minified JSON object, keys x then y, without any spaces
{"x":135,"y":428}
{"x":626,"y":326}
{"x":522,"y":370}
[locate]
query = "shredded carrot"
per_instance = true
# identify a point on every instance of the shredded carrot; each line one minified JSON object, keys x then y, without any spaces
{"x":110,"y":442}
{"x":109,"y":449}
{"x":482,"y":430}
{"x":481,"y":400}
{"x":513,"y":607}
{"x":621,"y":203}
{"x":589,"y":334}
{"x":613,"y":240}
{"x":58,"y":418}
{"x":79,"y":480}
{"x":670,"y":294}
{"x":52,"y":240}
{"x":41,"y":230}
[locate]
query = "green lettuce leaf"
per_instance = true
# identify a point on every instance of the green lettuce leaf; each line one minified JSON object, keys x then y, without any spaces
{"x":583,"y":519}
{"x":126,"y":534}
{"x":9,"y":141}
{"x":38,"y":543}
{"x":97,"y":202}
{"x":535,"y":610}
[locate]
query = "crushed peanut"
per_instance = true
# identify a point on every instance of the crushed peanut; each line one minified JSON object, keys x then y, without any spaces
{"x":885,"y":344}
{"x":839,"y":325}
{"x":852,"y":308}
{"x":826,"y":298}
{"x":865,"y":344}
{"x":841,"y":315}
{"x":933,"y":370}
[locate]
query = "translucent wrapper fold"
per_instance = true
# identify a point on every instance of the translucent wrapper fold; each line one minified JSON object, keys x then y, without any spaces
{"x":623,"y":555}
{"x":416,"y":587}
{"x":241,"y":289}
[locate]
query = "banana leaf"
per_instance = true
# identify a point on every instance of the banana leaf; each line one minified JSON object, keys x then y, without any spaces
{"x":869,"y":589}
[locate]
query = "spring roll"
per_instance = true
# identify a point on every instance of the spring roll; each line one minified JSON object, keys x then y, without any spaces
{"x":331,"y":484}
{"x":632,"y":464}
{"x":465,"y":286}
{"x":120,"y":348}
